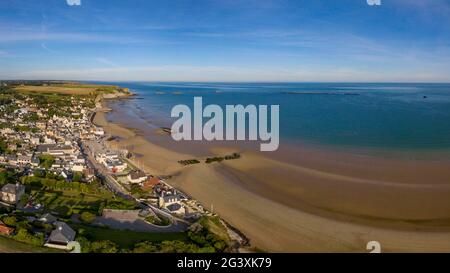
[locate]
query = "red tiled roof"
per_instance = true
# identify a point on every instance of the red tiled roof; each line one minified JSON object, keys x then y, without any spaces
{"x":6,"y":230}
{"x":149,"y":183}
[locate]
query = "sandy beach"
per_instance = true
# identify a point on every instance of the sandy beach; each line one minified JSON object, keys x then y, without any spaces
{"x":320,"y":202}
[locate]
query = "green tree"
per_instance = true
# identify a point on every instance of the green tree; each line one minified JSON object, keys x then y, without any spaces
{"x":104,"y":247}
{"x":87,"y":217}
{"x":220,"y":245}
{"x":39,"y":173}
{"x":3,"y":145}
{"x":46,"y":161}
{"x":10,"y":221}
{"x":178,"y":247}
{"x":24,"y":225}
{"x":64,"y":211}
{"x":145,"y":247}
{"x":24,"y":236}
{"x":85,"y":244}
{"x":77,"y":177}
{"x":7,"y":177}
{"x":24,"y":199}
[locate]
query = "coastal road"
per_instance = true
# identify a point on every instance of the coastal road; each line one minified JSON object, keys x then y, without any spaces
{"x":89,"y":149}
{"x":92,"y":147}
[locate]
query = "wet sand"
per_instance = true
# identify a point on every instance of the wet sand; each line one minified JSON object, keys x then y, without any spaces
{"x":322,"y":201}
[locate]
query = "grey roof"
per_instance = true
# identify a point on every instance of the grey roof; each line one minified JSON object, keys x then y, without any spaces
{"x":137,"y":174}
{"x":12,"y":188}
{"x":52,"y":147}
{"x":11,"y":157}
{"x":171,"y":198}
{"x":62,"y":234}
{"x":44,"y":147}
{"x":174,"y":207}
{"x":24,"y":157}
{"x":48,"y":218}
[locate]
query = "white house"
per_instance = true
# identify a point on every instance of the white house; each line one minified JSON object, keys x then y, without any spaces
{"x":35,"y":140}
{"x":78,"y":168}
{"x":11,"y":193}
{"x":24,"y":159}
{"x":99,"y":132}
{"x":115,"y":165}
{"x":172,"y":203}
{"x":61,"y":236}
{"x":136,"y":177}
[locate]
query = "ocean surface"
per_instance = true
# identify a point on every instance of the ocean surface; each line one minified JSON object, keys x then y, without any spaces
{"x":359,"y":115}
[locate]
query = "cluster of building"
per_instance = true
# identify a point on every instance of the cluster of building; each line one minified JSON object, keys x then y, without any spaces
{"x":30,"y":133}
{"x":68,"y":159}
{"x":168,"y":198}
{"x":32,"y":138}
{"x":112,"y":161}
{"x":162,"y":195}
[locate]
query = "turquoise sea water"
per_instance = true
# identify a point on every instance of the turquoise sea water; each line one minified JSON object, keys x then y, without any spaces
{"x":386,"y":116}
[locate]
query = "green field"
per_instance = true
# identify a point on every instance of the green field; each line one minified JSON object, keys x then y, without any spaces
{"x":66,"y":202}
{"x":8,"y":245}
{"x":67,"y":89}
{"x":59,"y":200}
{"x":126,"y":238}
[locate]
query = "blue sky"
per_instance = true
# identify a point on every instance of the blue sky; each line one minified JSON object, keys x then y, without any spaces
{"x":227,"y":40}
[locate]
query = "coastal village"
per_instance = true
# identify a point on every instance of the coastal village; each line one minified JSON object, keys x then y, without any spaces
{"x":62,"y":185}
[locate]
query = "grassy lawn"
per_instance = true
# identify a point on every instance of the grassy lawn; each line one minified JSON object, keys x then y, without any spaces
{"x":215,"y":226}
{"x":8,"y":245}
{"x":126,"y":238}
{"x":59,"y":201}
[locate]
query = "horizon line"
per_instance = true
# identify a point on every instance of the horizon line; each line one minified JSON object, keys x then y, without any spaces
{"x":175,"y":81}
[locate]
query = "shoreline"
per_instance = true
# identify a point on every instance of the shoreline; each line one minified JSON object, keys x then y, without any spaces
{"x":297,"y":206}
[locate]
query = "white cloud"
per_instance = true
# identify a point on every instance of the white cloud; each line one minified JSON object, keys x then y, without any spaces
{"x":15,"y":36}
{"x":44,"y":46}
{"x":74,"y":2}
